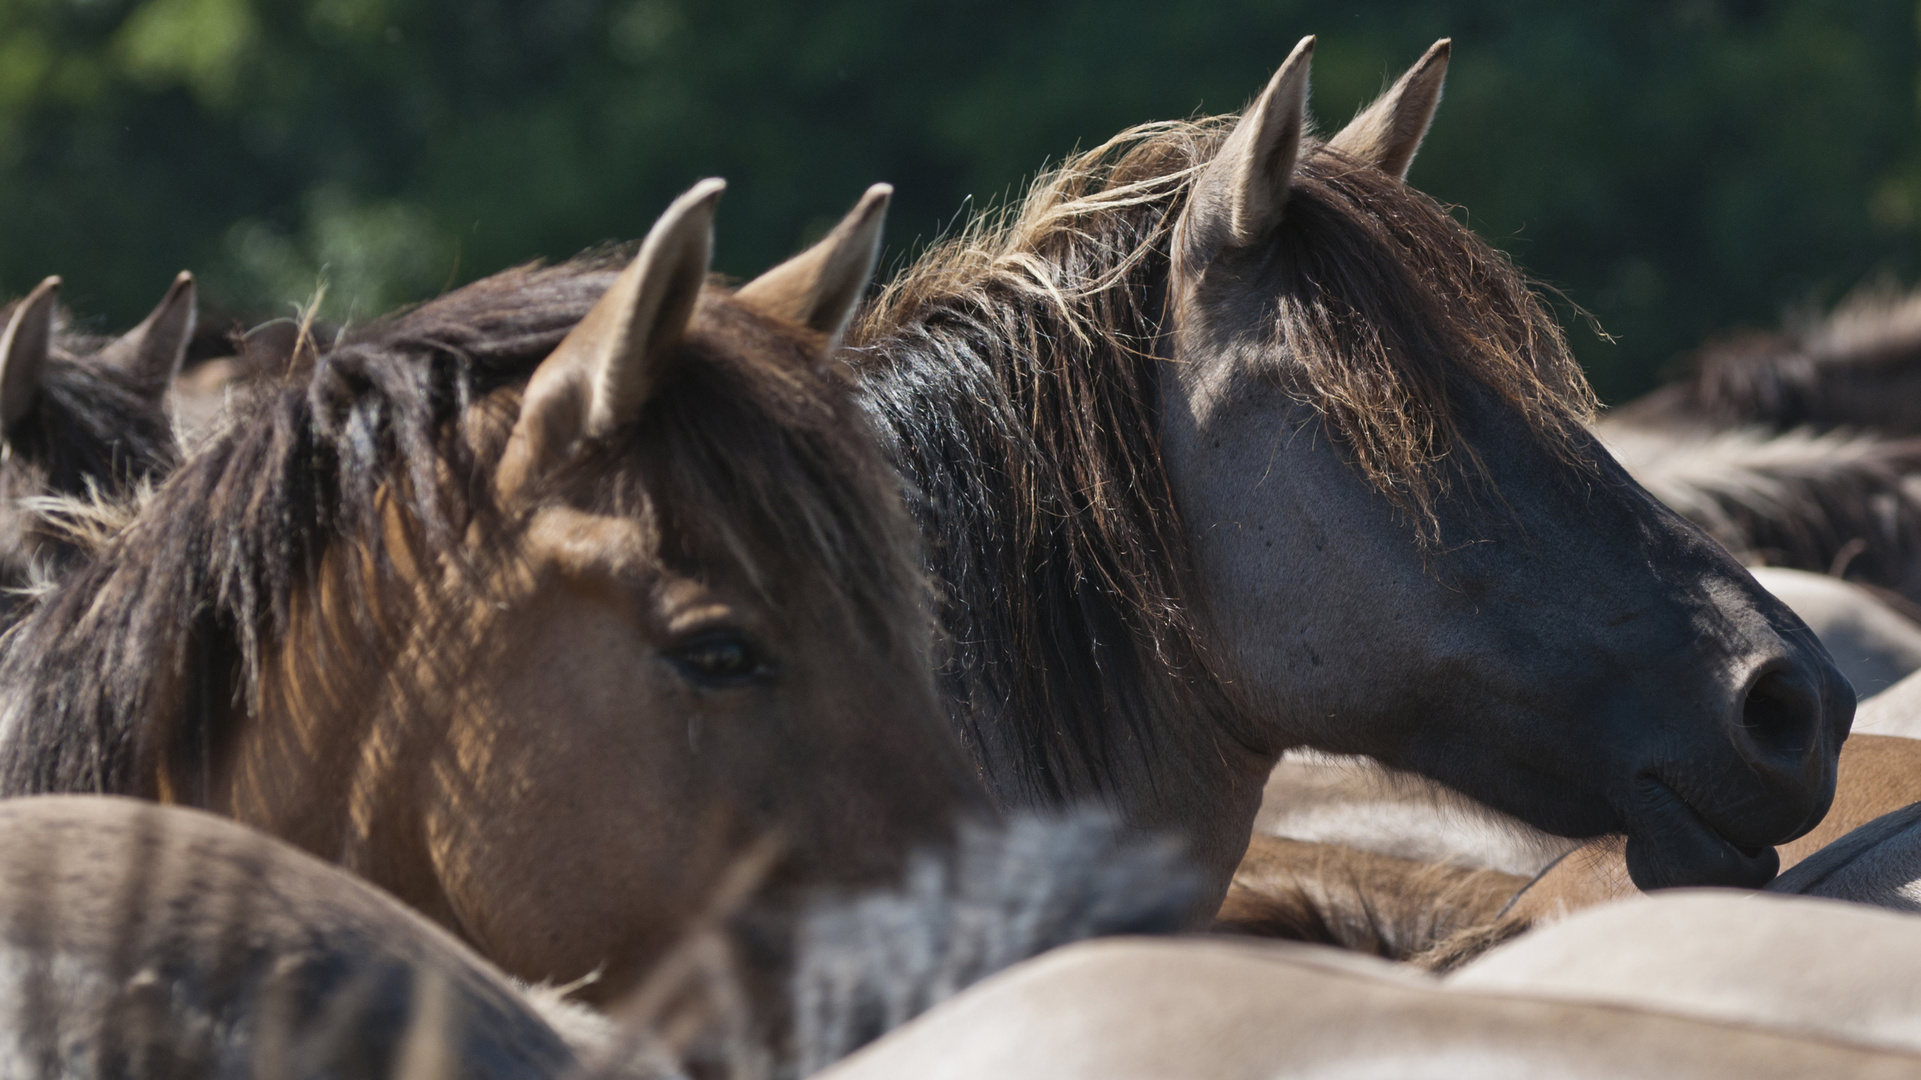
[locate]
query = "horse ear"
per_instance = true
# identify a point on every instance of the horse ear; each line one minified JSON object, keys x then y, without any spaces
{"x":1239,"y":197}
{"x":272,"y":346}
{"x":820,"y":287}
{"x":1387,"y":133}
{"x":153,"y":350}
{"x":601,"y":373}
{"x":24,"y":346}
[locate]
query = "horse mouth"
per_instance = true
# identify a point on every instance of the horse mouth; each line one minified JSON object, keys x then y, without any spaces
{"x":1672,"y":845}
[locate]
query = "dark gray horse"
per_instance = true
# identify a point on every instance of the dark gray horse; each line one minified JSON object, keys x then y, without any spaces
{"x":1229,"y":441}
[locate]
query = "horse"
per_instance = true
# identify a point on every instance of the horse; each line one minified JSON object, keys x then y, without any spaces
{"x":1873,"y":638}
{"x":80,"y":416}
{"x":1123,"y":1009}
{"x":1384,"y":905}
{"x":1354,"y":802}
{"x":1838,"y":503}
{"x":1858,"y":367}
{"x":1879,"y":780}
{"x":156,"y":942}
{"x":1877,"y":864}
{"x":1333,"y":802}
{"x":542,"y":606}
{"x":201,"y":398}
{"x":1227,"y":441}
{"x":160,"y":941}
{"x":1813,"y":968}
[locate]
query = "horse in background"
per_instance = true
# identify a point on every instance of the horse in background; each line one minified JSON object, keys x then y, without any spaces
{"x":1858,"y":367}
{"x":542,"y":606}
{"x":1796,"y":448}
{"x":159,"y":943}
{"x":1143,"y":1010}
{"x":1227,"y":440}
{"x":81,"y":418}
{"x":1845,"y":504}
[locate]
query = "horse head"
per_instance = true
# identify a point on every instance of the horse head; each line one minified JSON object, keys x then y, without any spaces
{"x":1412,"y":548}
{"x":80,"y":417}
{"x":578,"y":608}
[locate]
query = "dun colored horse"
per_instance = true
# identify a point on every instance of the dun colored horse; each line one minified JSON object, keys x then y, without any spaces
{"x":78,"y":415}
{"x":162,"y":944}
{"x":1230,"y":441}
{"x":1142,"y":1010}
{"x":1813,"y":968}
{"x":1858,"y":367}
{"x":1839,"y":503}
{"x":541,"y":606}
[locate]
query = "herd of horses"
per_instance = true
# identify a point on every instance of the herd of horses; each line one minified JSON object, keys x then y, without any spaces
{"x":600,"y":670}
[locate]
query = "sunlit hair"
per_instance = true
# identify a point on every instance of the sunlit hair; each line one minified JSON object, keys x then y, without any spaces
{"x":1040,"y":321}
{"x":749,"y":453}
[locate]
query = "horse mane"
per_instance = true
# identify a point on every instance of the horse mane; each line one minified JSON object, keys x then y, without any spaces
{"x":93,"y":428}
{"x":1816,"y":371}
{"x":1037,"y":461}
{"x":1833,"y":502}
{"x":746,"y":455}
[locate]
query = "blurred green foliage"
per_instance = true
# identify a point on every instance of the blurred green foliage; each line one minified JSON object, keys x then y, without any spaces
{"x":1676,"y":168}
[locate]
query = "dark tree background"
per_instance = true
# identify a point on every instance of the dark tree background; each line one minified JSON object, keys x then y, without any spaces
{"x":1677,"y":168}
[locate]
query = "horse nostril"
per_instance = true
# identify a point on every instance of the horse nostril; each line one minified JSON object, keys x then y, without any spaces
{"x":1780,"y":714}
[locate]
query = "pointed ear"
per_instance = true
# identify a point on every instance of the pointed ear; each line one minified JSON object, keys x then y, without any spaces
{"x":820,"y":287}
{"x":1387,"y":133}
{"x":23,"y":351}
{"x":269,"y":346}
{"x":153,"y":350}
{"x":602,"y":372}
{"x":1237,"y":201}
{"x":276,"y":347}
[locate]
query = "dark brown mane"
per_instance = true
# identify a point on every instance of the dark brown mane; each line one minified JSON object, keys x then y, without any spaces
{"x":1858,"y":366}
{"x":1840,"y":503}
{"x":1036,"y":452}
{"x":1387,"y":306}
{"x":124,"y":660}
{"x":91,"y":427}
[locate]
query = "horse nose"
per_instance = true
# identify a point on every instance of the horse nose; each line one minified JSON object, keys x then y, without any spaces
{"x":1788,"y":725}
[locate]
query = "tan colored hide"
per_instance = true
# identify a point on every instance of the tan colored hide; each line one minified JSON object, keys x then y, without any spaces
{"x":1817,"y":968}
{"x":1136,"y":1009}
{"x":1357,"y":899}
{"x":1879,"y":774}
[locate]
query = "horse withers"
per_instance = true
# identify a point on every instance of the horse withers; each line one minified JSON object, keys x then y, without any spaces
{"x":1230,"y":441}
{"x":546,"y":606}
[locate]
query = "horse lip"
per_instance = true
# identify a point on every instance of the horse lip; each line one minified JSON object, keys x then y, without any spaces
{"x":1671,"y":844}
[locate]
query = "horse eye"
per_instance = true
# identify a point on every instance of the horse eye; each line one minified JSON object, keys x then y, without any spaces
{"x":722,"y":660}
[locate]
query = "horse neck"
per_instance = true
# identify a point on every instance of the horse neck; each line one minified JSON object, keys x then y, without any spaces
{"x":1053,"y":682}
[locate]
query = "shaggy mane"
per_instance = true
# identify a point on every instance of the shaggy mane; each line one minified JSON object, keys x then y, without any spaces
{"x":745,"y":455}
{"x":92,"y":428}
{"x":1837,"y":502}
{"x":1855,"y":367}
{"x":1038,"y":462}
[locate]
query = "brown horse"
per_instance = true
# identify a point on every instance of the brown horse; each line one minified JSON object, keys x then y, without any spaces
{"x":1228,"y":440}
{"x":541,"y":606}
{"x":80,"y":415}
{"x":1857,"y":367}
